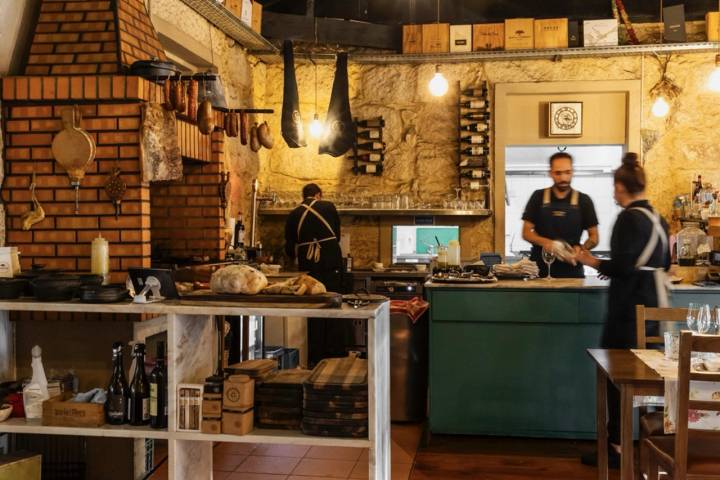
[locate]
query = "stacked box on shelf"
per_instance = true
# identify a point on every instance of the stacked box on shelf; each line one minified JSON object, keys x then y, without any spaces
{"x":279,"y":400}
{"x":368,"y":152}
{"x":474,"y":141}
{"x":335,"y":398}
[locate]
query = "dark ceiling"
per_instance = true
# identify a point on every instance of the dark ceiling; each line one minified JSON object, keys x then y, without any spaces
{"x":476,"y":11}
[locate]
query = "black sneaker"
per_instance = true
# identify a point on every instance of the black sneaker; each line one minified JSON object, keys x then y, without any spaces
{"x":590,"y":459}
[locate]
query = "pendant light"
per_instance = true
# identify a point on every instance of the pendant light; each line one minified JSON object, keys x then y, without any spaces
{"x":316,"y":126}
{"x":438,"y":85}
{"x":714,"y":79}
{"x":664,"y":92}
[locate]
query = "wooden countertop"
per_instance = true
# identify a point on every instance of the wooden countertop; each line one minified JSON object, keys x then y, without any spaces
{"x":589,"y":283}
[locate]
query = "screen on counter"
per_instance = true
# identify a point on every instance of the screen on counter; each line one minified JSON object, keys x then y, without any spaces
{"x":418,"y":244}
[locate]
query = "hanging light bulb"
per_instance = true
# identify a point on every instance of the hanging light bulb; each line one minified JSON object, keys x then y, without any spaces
{"x":316,"y":127}
{"x":714,"y":80}
{"x":661,"y":107}
{"x":438,"y":85}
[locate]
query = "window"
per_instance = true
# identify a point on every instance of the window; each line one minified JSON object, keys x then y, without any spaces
{"x":526,"y":170}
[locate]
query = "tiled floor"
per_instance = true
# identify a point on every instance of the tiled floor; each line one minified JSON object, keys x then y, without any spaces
{"x":235,"y":461}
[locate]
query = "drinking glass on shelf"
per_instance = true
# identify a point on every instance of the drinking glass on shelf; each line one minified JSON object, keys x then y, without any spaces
{"x":548,"y":257}
{"x":704,"y":320}
{"x":692,"y":316}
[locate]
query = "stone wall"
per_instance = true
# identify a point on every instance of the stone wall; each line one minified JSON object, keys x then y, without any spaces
{"x":421,"y":130}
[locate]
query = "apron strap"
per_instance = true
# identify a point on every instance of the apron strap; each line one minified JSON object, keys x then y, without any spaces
{"x":659,"y":275}
{"x":313,"y":252}
{"x":546,"y":196}
{"x":574,"y":197}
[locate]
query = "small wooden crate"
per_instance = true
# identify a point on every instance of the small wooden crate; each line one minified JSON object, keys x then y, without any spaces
{"x":238,"y":392}
{"x":256,"y":23}
{"x":412,"y":39}
{"x":488,"y":36}
{"x":212,"y":426}
{"x":238,"y":423}
{"x":600,"y":33}
{"x":712,"y":26}
{"x":436,"y":38}
{"x":242,"y":9}
{"x":551,"y":33}
{"x":461,"y":38}
{"x":519,"y":34}
{"x":58,"y":412}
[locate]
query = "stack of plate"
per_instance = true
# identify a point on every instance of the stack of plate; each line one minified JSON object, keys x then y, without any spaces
{"x":279,"y":400}
{"x":335,"y":398}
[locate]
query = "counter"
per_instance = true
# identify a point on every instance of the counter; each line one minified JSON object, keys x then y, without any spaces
{"x":508,"y":358}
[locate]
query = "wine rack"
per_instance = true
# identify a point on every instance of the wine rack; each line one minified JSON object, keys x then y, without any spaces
{"x":368,"y":151}
{"x":474,"y":142}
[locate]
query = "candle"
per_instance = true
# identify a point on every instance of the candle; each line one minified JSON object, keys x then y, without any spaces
{"x":100,"y":258}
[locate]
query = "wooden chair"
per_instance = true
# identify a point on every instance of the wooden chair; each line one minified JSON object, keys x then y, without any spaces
{"x":651,"y":424}
{"x":689,"y":454}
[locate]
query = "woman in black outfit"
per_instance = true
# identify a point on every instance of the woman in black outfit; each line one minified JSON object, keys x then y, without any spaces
{"x":639,"y":257}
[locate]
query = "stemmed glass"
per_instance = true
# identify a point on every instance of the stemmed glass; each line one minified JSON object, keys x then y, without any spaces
{"x":548,"y":257}
{"x":692,"y":316}
{"x":704,"y":320}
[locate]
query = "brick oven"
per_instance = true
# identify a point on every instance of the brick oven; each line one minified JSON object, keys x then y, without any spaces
{"x":79,"y":55}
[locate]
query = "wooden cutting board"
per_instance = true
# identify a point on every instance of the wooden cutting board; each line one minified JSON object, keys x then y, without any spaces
{"x":338,"y":374}
{"x":325,"y":300}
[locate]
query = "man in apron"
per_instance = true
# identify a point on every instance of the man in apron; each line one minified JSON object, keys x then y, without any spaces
{"x":312,"y":235}
{"x":559,"y":213}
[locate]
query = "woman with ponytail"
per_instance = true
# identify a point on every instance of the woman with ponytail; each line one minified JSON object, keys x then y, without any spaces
{"x":639,"y":258}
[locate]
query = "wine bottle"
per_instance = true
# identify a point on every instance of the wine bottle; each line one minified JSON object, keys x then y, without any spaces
{"x":372,"y":168}
{"x":475,"y":185}
{"x":474,"y":127}
{"x":474,"y":104}
{"x":475,"y":173}
{"x":477,"y":116}
{"x":474,"y":150}
{"x":118,"y":392}
{"x":473,"y":162}
{"x":139,"y":411}
{"x":371,"y":123}
{"x":373,"y":146}
{"x":475,"y":92}
{"x":368,"y":157}
{"x":475,"y":139}
{"x":158,"y":391}
{"x":369,"y":134}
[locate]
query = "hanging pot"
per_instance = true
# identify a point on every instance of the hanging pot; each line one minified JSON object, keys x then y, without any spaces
{"x":152,"y":69}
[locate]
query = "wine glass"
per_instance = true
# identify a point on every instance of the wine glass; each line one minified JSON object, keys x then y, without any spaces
{"x":692,"y":316}
{"x":704,"y":320}
{"x":548,"y":257}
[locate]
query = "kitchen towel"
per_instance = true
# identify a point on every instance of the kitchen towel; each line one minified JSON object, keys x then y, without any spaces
{"x":292,"y":126}
{"x":340,"y":132}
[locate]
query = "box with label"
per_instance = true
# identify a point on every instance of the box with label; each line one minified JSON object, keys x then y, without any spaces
{"x":238,"y":393}
{"x":712,"y":26}
{"x":519,"y":34}
{"x":488,"y":36}
{"x":674,"y":22}
{"x":551,"y":33}
{"x":189,"y":407}
{"x":243,"y":9}
{"x":436,"y":38}
{"x":600,"y":33}
{"x":461,"y":38}
{"x":574,"y":35}
{"x":212,"y":426}
{"x":412,"y":39}
{"x":238,"y":423}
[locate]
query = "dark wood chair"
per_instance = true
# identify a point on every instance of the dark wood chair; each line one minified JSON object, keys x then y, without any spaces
{"x":651,"y":424}
{"x":689,"y":454}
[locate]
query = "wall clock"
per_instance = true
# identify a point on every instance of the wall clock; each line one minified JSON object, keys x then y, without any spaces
{"x":565,"y":119}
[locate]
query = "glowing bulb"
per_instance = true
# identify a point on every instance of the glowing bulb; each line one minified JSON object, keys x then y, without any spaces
{"x":438,"y":85}
{"x":661,"y":107}
{"x":316,"y":127}
{"x":714,"y":80}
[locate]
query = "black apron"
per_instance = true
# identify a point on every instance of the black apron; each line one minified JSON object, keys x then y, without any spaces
{"x":291,"y":121}
{"x":559,"y":221}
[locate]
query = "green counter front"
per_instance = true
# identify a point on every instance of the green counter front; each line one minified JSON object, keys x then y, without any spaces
{"x":510,"y":358}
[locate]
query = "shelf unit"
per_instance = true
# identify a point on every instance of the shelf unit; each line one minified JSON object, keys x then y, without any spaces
{"x":495,"y":55}
{"x":22,"y":425}
{"x":434,"y":212}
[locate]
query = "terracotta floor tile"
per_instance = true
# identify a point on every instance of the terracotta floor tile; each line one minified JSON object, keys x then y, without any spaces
{"x":235,"y":448}
{"x":400,"y":454}
{"x":294,"y":451}
{"x":305,"y":477}
{"x":400,"y":471}
{"x":227,"y":462}
{"x":218,"y":475}
{"x":274,"y":465}
{"x":324,"y":468}
{"x":335,"y":453}
{"x":407,"y":435}
{"x":255,"y":476}
{"x":365,"y":456}
{"x":360,"y":470}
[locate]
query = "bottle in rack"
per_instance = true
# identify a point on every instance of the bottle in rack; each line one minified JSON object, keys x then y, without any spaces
{"x":139,"y":405}
{"x":158,"y":391}
{"x":474,"y":104}
{"x":371,"y":146}
{"x":475,"y":173}
{"x":116,"y":405}
{"x":475,"y":92}
{"x":474,"y":150}
{"x":371,"y":123}
{"x":370,"y":135}
{"x":476,"y":185}
{"x":476,"y":116}
{"x":475,"y":127}
{"x":368,"y":157}
{"x":473,"y":162}
{"x":476,"y":138}
{"x":370,"y":168}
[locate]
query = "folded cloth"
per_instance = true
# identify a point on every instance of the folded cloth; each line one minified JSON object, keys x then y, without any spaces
{"x":526,"y":267}
{"x":413,"y":308}
{"x":96,"y":395}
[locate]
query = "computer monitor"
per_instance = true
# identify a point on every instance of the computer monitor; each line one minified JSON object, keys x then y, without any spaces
{"x":418,"y":243}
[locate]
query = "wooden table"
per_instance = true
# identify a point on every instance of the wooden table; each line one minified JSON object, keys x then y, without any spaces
{"x":633,"y":378}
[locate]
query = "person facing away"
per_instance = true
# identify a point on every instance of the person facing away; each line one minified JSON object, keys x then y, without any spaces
{"x":559,"y":213}
{"x":312,"y":235}
{"x":639,"y":258}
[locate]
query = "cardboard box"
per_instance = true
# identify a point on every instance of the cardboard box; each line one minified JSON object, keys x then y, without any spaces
{"x":256,"y":23}
{"x":238,"y":423}
{"x":189,"y":407}
{"x":238,"y":393}
{"x":574,"y":34}
{"x":59,"y":412}
{"x":412,"y":39}
{"x":674,"y":22}
{"x":243,"y":9}
{"x":488,"y":36}
{"x":212,"y":408}
{"x":712,"y":26}
{"x":436,"y":38}
{"x":519,"y":34}
{"x":212,"y":426}
{"x":551,"y":33}
{"x":461,"y":38}
{"x":600,"y":33}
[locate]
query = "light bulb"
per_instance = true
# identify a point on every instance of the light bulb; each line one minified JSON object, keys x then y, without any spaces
{"x":438,"y":85}
{"x":714,"y":80}
{"x":661,"y":107}
{"x":316,"y":127}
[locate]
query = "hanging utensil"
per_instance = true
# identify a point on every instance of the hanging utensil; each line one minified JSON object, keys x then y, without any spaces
{"x":115,"y":188}
{"x":36,"y":213}
{"x":222,"y":189}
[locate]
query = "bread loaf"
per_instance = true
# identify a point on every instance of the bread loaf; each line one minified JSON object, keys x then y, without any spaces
{"x":238,"y":279}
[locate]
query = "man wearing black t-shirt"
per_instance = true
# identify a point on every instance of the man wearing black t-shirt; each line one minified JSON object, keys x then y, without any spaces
{"x":559,"y":213}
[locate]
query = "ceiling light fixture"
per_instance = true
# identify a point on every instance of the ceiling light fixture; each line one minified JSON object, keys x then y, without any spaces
{"x":317,"y":128}
{"x":438,"y":84}
{"x":664,"y":92}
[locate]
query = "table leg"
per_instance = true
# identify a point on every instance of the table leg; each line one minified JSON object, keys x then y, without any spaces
{"x":626,"y":433}
{"x":379,"y":394}
{"x":601,"y":415}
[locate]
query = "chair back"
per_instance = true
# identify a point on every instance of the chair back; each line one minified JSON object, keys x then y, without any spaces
{"x":693,"y":343}
{"x":644,"y":314}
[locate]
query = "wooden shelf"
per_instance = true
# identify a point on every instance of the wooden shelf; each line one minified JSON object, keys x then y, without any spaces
{"x":434,"y":212}
{"x":281,"y":437}
{"x":22,"y":425}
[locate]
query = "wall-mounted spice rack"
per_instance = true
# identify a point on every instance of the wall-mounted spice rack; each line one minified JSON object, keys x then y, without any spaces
{"x":474,"y":141}
{"x":368,"y":151}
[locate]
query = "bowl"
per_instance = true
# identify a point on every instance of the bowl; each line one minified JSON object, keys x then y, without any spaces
{"x":11,"y":288}
{"x":5,"y":411}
